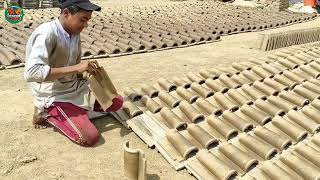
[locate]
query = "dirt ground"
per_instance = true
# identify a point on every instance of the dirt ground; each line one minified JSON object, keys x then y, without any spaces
{"x":26,"y":153}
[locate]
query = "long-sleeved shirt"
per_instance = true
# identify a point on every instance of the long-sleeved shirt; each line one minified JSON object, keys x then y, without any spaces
{"x":50,"y":46}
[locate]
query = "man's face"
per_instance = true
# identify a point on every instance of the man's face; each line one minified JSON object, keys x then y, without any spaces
{"x":78,"y":21}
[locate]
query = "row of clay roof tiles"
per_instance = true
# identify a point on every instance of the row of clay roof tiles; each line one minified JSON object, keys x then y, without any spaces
{"x":223,"y":122}
{"x":135,"y":29}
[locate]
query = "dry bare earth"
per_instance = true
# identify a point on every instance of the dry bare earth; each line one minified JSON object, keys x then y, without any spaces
{"x":26,"y":153}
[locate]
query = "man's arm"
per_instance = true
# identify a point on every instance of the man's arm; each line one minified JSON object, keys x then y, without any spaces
{"x":37,"y":67}
{"x":56,"y":73}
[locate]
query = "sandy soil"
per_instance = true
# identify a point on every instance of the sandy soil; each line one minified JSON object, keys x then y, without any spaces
{"x":26,"y":153}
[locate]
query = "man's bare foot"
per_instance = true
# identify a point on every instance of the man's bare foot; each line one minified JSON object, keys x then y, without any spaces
{"x":40,"y":122}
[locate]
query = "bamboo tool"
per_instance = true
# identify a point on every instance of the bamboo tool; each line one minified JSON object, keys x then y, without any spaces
{"x":102,"y":87}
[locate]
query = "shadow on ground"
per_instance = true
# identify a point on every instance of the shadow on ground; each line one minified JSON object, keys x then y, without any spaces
{"x":108,"y":123}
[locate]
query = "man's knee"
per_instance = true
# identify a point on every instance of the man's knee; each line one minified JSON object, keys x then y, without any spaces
{"x":89,"y":138}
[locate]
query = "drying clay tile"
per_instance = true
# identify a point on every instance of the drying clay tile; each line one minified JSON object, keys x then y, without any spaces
{"x":294,"y":98}
{"x":311,"y":112}
{"x":272,"y":138}
{"x":261,"y":72}
{"x":98,"y":50}
{"x":264,"y":150}
{"x":304,"y":121}
{"x":302,"y":74}
{"x":251,"y":75}
{"x":202,"y":136}
{"x":187,"y":95}
{"x":132,"y":94}
{"x":202,"y":91}
{"x":86,"y":52}
{"x":260,"y":61}
{"x":193,"y":114}
{"x":268,"y":90}
{"x":309,"y":153}
{"x":238,"y":157}
{"x":170,"y":100}
{"x":315,"y":81}
{"x":269,"y":108}
{"x":172,"y":119}
{"x":217,"y":167}
{"x":240,"y":80}
{"x":316,"y":104}
{"x":306,"y":93}
{"x":224,"y":128}
{"x":217,"y":71}
{"x":271,"y":69}
{"x":181,"y":82}
{"x":295,"y":132}
{"x":285,"y":81}
{"x":249,"y":64}
{"x":275,"y":172}
{"x":275,"y":84}
{"x":282,"y":103}
{"x":208,"y":107}
{"x":135,"y":164}
{"x":309,"y":171}
{"x":310,"y":70}
{"x":238,"y":97}
{"x":315,"y":65}
{"x":181,"y":144}
{"x":112,"y":49}
{"x":313,"y":53}
{"x":281,"y":54}
{"x":228,"y":81}
{"x":8,"y":57}
{"x":237,"y":121}
{"x":239,"y":67}
{"x":257,"y":115}
{"x":207,"y":74}
{"x":294,"y":77}
{"x":278,"y":66}
{"x":216,"y":85}
{"x":311,"y":87}
{"x":303,"y":58}
{"x":167,"y":85}
{"x":131,"y":109}
{"x":151,"y":105}
{"x":150,"y":90}
{"x":253,"y":92}
{"x":195,"y":78}
{"x":296,"y":60}
{"x":148,"y":44}
{"x":224,"y":102}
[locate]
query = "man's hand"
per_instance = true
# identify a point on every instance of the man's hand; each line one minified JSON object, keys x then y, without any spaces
{"x":89,"y":66}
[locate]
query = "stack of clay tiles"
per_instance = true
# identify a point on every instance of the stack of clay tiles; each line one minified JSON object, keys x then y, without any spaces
{"x":136,"y":29}
{"x":35,"y":4}
{"x":276,"y":5}
{"x":46,"y":4}
{"x":275,"y":40}
{"x":30,"y":4}
{"x":257,"y":119}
